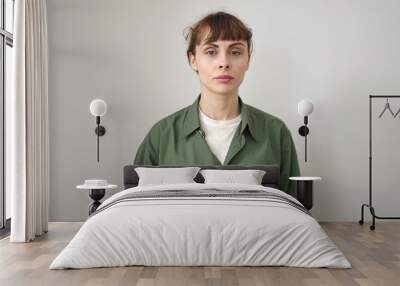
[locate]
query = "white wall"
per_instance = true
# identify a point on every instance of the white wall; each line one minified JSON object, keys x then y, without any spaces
{"x":132,"y":54}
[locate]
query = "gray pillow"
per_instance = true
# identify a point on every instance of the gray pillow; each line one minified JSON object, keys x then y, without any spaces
{"x":160,"y":176}
{"x":249,"y":177}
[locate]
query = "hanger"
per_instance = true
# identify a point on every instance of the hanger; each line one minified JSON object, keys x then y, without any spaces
{"x":398,"y":111}
{"x":387,"y":106}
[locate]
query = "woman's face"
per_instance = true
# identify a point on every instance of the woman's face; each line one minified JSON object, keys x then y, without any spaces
{"x":221,"y":58}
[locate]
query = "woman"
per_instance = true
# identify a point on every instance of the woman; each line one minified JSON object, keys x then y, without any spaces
{"x":218,"y":128}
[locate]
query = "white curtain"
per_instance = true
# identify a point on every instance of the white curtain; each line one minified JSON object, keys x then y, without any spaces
{"x":27,"y":129}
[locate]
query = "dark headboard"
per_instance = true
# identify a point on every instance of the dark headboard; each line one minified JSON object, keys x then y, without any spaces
{"x":270,"y":179}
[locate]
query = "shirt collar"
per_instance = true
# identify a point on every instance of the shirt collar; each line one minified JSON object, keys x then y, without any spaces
{"x":192,"y":121}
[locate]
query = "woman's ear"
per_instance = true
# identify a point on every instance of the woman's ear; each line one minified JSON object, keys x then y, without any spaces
{"x":192,"y":61}
{"x":248,"y":64}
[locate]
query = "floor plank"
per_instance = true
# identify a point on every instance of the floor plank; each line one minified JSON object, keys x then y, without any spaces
{"x":374,"y":255}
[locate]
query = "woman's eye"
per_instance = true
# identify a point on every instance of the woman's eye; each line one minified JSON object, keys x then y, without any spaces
{"x":213,"y":52}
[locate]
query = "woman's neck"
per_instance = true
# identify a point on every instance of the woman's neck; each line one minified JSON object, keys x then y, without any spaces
{"x":219,"y":106}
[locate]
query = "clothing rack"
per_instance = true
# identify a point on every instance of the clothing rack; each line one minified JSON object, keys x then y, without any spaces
{"x":369,"y":205}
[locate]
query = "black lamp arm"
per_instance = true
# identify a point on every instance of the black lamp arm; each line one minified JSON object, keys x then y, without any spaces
{"x":100,"y":131}
{"x":303,"y":131}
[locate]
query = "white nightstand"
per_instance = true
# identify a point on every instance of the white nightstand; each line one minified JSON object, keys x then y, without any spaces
{"x":97,"y":189}
{"x":305,"y":190}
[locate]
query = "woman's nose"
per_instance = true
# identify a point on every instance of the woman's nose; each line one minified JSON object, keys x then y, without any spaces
{"x":224,"y":62}
{"x":224,"y":66}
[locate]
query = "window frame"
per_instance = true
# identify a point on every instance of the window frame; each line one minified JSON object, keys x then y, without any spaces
{"x":6,"y":39}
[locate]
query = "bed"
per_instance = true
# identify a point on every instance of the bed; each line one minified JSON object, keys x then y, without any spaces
{"x":201,"y":224}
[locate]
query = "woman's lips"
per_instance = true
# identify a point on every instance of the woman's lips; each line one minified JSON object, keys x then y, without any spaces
{"x":224,"y":80}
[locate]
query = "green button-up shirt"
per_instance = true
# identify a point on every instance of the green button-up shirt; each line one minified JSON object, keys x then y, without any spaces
{"x":260,"y":138}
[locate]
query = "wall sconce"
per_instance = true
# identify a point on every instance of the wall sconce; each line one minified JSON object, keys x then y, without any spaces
{"x":305,"y":108}
{"x":98,"y":108}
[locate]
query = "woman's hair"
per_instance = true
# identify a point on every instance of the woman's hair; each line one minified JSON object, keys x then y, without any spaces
{"x":219,"y":26}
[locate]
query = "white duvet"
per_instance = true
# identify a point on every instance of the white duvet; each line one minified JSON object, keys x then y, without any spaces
{"x":200,"y":231}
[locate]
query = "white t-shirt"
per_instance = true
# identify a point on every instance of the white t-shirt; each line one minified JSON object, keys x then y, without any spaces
{"x":219,"y":133}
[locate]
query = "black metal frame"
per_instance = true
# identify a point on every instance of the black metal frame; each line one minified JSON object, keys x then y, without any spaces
{"x":6,"y":39}
{"x":369,"y":205}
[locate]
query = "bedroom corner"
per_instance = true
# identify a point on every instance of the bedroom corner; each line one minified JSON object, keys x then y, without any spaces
{"x":199,"y":143}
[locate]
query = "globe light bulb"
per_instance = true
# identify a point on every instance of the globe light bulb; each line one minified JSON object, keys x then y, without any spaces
{"x":305,"y":107}
{"x":98,"y":107}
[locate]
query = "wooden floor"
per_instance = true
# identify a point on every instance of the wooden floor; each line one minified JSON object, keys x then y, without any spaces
{"x":374,"y":255}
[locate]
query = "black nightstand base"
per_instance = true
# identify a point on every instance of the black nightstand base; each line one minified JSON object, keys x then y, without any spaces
{"x":96,"y":195}
{"x":305,"y":193}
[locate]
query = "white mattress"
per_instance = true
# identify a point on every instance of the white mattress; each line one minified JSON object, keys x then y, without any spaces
{"x":200,"y":231}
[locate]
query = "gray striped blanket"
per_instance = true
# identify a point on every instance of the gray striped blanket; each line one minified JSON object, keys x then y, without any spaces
{"x":205,"y":194}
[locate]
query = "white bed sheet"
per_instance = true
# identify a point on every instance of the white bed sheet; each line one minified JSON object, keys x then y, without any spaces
{"x":200,"y":231}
